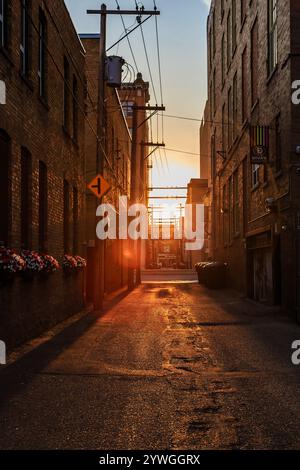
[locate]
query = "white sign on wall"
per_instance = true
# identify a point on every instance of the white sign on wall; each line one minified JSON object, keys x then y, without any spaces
{"x":2,"y":92}
{"x":2,"y":353}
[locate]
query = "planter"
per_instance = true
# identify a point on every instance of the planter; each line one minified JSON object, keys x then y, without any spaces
{"x":70,"y":271}
{"x":6,"y":277}
{"x":28,"y":275}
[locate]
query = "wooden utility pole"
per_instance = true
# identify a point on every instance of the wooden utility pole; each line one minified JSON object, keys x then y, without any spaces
{"x":137,"y":186}
{"x":99,"y":258}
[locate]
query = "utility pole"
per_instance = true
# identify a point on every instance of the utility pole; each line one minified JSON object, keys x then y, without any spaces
{"x":137,"y":185}
{"x":99,"y":261}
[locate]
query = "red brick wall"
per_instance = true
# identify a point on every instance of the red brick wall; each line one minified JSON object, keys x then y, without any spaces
{"x":117,"y":168}
{"x":274,"y":97}
{"x":37,"y":125}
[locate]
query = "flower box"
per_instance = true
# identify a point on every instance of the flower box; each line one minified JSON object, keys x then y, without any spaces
{"x":33,"y":263}
{"x":10,"y":264}
{"x":69,"y":264}
{"x":81,"y":262}
{"x":51,"y":265}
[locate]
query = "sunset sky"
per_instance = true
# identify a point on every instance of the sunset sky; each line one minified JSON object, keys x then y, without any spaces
{"x":182,"y":32}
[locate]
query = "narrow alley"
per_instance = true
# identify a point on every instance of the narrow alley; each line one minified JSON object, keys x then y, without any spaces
{"x":171,"y":366}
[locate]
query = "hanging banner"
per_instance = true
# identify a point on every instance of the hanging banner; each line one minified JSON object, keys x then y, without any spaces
{"x":259,"y":142}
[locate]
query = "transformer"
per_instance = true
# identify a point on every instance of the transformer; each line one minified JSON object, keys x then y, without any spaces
{"x":114,"y":70}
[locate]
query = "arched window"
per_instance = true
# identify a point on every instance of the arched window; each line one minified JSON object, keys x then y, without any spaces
{"x":5,"y":161}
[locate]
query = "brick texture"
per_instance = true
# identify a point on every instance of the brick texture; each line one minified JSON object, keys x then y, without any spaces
{"x":37,"y":125}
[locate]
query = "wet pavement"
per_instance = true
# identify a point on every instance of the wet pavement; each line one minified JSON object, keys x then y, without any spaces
{"x":170,"y":366}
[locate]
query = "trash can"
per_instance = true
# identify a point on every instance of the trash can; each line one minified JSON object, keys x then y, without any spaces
{"x":200,"y":271}
{"x":214,"y":275}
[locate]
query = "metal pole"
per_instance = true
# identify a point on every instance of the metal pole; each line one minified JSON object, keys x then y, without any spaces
{"x":101,"y":127}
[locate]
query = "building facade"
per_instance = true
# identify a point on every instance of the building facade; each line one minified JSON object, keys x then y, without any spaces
{"x":116,"y":171}
{"x":253,"y":59}
{"x":41,"y":161}
{"x":135,"y":98}
{"x":199,"y":193}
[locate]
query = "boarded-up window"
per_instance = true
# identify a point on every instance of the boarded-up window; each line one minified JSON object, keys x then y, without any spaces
{"x":75,"y":221}
{"x":5,"y":160}
{"x":26,"y":204}
{"x":43,"y":206}
{"x":254,"y":62}
{"x":66,"y":217}
{"x":244,"y":86}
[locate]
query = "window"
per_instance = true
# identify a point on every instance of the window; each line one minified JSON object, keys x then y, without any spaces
{"x":224,"y":144}
{"x":298,"y":220}
{"x":75,"y":109}
{"x":213,"y":155}
{"x":42,"y":55}
{"x":229,"y":118}
{"x":25,"y":199}
{"x":66,"y":219}
{"x":272,"y":35}
{"x":211,"y":100}
{"x":233,"y":26}
{"x":223,"y":59}
{"x":214,"y":93}
{"x":236,"y":206}
{"x":230,"y":207}
{"x":254,"y":63}
{"x":43,"y":206}
{"x":235,"y":106}
{"x":255,"y":175}
{"x":3,"y":23}
{"x":213,"y":33}
{"x":229,"y":37}
{"x":24,"y":40}
{"x":225,"y":212}
{"x":244,"y":86}
{"x":113,"y":146}
{"x":243,"y":10}
{"x":278,"y":161}
{"x":66,"y":94}
{"x":5,"y":162}
{"x":128,"y":108}
{"x":75,"y":221}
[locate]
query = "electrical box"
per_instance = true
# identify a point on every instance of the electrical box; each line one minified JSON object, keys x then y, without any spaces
{"x":114,"y":71}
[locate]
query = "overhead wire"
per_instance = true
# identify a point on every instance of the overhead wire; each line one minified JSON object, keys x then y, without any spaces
{"x":80,"y":108}
{"x":148,"y":64}
{"x":127,"y":37}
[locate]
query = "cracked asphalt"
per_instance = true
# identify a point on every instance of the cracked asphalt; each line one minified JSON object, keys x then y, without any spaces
{"x":170,"y":366}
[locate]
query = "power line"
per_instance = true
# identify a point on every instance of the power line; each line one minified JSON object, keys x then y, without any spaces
{"x":127,"y":37}
{"x":185,"y":118}
{"x":148,"y":63}
{"x":182,"y":151}
{"x":158,"y":56}
{"x":82,"y":110}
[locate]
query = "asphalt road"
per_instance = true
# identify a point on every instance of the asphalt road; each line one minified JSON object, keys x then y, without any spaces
{"x":168,"y":367}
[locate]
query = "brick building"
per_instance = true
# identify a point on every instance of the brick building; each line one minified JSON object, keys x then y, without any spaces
{"x":253,"y":58}
{"x":116,"y":171}
{"x":199,"y":193}
{"x":136,"y":94}
{"x":41,"y":160}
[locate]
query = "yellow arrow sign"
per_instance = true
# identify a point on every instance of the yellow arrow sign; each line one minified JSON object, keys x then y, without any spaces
{"x":99,"y":186}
